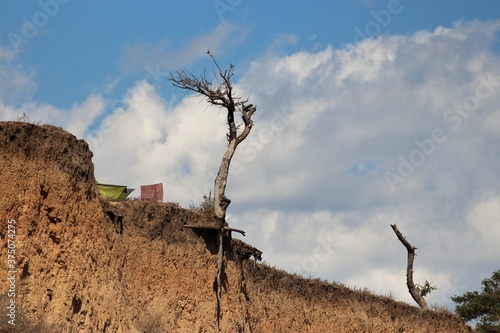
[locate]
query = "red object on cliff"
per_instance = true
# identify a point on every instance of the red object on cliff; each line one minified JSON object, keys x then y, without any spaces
{"x":152,"y":192}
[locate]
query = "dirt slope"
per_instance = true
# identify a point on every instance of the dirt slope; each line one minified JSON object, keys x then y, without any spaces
{"x":83,"y":265}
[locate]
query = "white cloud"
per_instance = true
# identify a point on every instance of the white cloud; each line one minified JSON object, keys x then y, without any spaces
{"x":492,"y":123}
{"x":484,"y":219}
{"x":16,"y":81}
{"x":375,"y":112}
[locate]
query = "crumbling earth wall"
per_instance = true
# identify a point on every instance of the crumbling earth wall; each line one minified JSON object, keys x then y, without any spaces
{"x":85,"y":265}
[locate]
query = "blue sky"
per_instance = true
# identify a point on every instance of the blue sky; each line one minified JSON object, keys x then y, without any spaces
{"x":369,"y":113}
{"x":84,"y":41}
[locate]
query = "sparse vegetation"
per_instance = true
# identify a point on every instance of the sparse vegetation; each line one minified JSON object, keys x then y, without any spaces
{"x":52,"y":126}
{"x":24,"y":118}
{"x":152,"y":323}
{"x":441,"y":309}
{"x":425,"y":289}
{"x":206,"y":206}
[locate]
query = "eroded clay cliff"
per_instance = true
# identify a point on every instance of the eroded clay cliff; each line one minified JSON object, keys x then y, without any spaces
{"x":86,"y":265}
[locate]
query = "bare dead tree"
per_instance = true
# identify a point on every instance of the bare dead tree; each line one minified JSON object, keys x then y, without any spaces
{"x":220,"y":95}
{"x":416,"y":294}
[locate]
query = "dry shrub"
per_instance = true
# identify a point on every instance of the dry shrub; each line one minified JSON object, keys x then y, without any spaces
{"x":151,"y":323}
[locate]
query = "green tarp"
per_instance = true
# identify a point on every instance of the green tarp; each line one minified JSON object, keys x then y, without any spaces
{"x":114,"y":192}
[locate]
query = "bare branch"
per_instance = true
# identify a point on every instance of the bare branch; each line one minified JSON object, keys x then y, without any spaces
{"x":213,"y":227}
{"x":199,"y":226}
{"x":200,"y":85}
{"x":234,"y":229}
{"x":247,"y":113}
{"x":226,"y":75}
{"x":403,"y":240}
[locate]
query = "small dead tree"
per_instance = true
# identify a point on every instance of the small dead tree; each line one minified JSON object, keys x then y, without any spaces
{"x":416,"y":291}
{"x":221,"y":95}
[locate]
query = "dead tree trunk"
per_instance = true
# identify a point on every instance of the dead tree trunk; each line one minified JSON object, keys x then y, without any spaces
{"x":409,"y":269}
{"x":220,"y":95}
